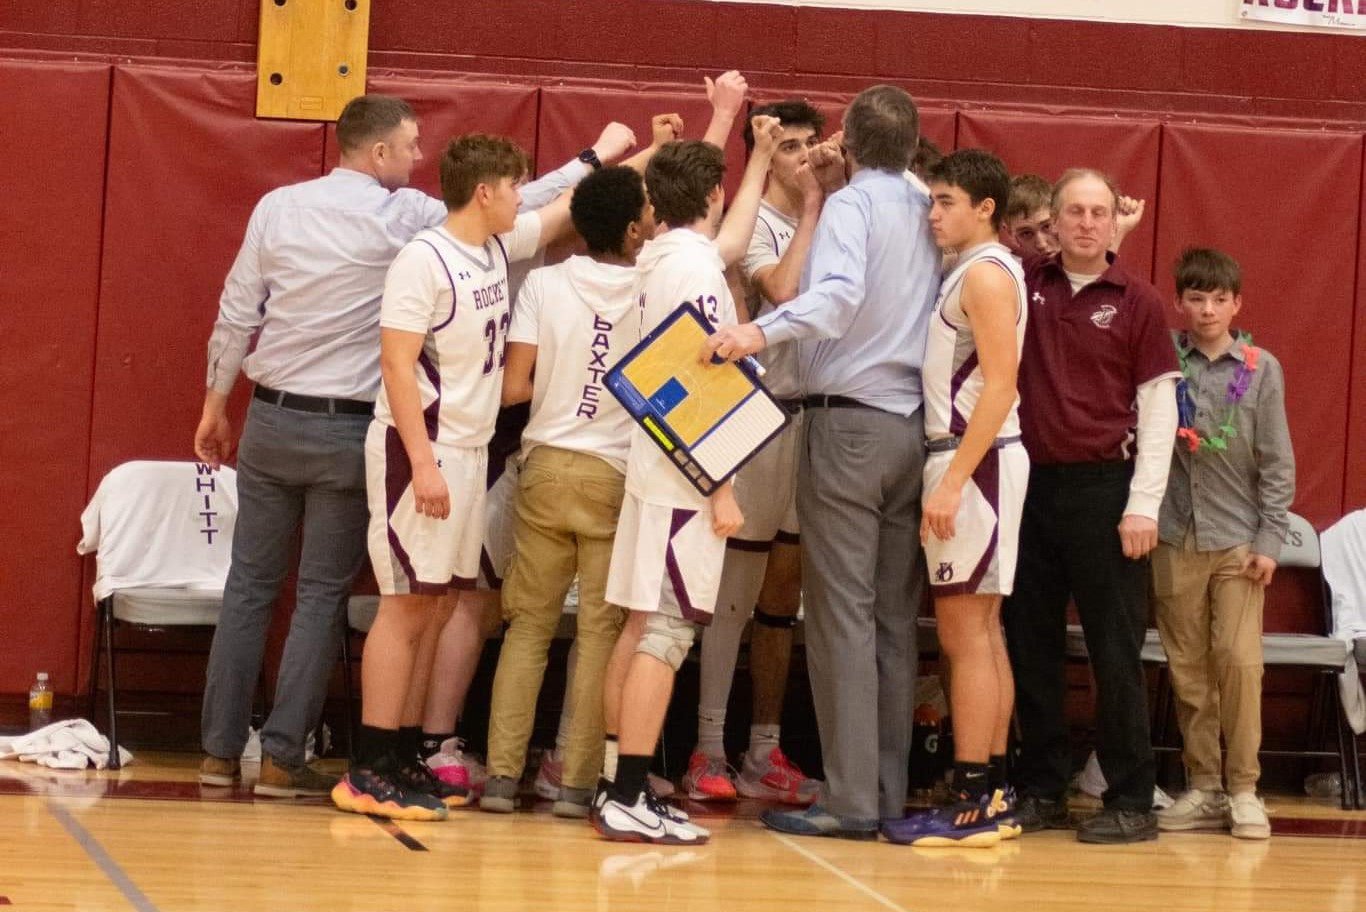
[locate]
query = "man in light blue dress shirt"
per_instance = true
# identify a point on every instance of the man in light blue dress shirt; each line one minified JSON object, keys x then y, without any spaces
{"x":860,"y":324}
{"x":307,"y":284}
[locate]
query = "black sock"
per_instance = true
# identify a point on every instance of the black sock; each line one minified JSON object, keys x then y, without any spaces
{"x":632,"y":770}
{"x":971,"y":780}
{"x":376,"y":748}
{"x":410,"y":742}
{"x":997,"y":778}
{"x":431,"y":743}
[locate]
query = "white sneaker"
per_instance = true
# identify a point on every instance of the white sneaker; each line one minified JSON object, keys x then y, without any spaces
{"x":1196,"y":809}
{"x":1247,"y":815}
{"x":455,"y":767}
{"x":648,"y":820}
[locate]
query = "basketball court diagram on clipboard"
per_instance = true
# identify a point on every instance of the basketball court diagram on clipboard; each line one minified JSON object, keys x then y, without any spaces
{"x":709,"y":418}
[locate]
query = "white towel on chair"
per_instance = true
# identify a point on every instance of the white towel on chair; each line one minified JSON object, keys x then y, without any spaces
{"x":70,"y":744}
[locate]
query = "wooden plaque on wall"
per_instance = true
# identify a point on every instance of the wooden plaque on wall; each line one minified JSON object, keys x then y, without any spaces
{"x":311,"y":57}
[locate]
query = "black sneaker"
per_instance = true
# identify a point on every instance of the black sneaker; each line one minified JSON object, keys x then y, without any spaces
{"x":1116,"y":827}
{"x":417,"y":776}
{"x":1033,"y":814}
{"x":365,"y":791}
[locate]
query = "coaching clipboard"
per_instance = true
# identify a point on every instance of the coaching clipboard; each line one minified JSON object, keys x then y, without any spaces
{"x":709,"y":418}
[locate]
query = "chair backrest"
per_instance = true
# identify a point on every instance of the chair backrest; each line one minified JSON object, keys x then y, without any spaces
{"x":1344,"y":575}
{"x":1301,"y":544}
{"x":161,"y":524}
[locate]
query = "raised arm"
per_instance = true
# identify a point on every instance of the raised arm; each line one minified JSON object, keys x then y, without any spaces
{"x":779,"y":283}
{"x":663,"y":128}
{"x":727,"y":97}
{"x":738,"y":226}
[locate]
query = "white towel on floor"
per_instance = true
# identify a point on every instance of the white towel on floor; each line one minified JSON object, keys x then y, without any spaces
{"x":69,"y":744}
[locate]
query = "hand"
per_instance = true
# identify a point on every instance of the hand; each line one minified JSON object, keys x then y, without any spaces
{"x":613,"y":142}
{"x":1129,"y":214}
{"x":1259,"y":568}
{"x":726,"y":518}
{"x":1137,"y":535}
{"x":213,"y":438}
{"x":430,"y":495}
{"x":727,"y":93}
{"x":768,"y":132}
{"x":734,"y":342}
{"x":940,"y":511}
{"x":665,"y":128}
{"x":827,"y":162}
{"x":812,"y":194}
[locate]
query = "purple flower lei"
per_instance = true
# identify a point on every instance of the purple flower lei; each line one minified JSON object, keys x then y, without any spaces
{"x":1237,"y":389}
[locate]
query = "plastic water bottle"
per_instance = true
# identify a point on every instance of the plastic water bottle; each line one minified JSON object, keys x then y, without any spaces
{"x":1323,"y":785}
{"x":39,"y":703}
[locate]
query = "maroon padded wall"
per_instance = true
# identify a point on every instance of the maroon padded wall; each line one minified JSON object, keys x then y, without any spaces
{"x":55,"y":116}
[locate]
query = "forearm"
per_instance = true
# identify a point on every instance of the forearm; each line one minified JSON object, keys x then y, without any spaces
{"x":228,"y":346}
{"x":718,"y":129}
{"x":738,"y":225}
{"x":215,"y":403}
{"x":1157,"y":422}
{"x":783,"y":283}
{"x":547,"y":188}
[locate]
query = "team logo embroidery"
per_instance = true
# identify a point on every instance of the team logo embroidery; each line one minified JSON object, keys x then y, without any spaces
{"x":463,"y":276}
{"x":1105,"y":316}
{"x":945,"y":572}
{"x":1038,"y":298}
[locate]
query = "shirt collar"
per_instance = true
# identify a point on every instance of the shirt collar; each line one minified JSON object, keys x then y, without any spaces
{"x":1114,"y":274}
{"x":1185,"y":346}
{"x":353,"y":175}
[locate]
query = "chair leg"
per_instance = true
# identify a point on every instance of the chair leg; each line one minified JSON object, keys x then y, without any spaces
{"x":1348,"y":794}
{"x":348,"y":688}
{"x":1356,"y":767}
{"x":113,"y":711}
{"x":93,"y":691}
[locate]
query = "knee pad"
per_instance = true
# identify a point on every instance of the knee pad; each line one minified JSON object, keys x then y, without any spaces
{"x":774,"y":620}
{"x":667,"y":639}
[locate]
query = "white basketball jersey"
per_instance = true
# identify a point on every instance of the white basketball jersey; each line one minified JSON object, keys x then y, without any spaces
{"x":457,"y":296}
{"x":951,"y":376}
{"x":773,"y":233}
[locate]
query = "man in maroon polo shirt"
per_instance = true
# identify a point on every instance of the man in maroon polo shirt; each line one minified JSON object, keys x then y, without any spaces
{"x":1098,"y":414}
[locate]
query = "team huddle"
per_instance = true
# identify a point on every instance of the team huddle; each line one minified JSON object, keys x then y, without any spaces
{"x":931,"y":326}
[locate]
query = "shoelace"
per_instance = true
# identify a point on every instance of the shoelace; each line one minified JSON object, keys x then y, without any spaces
{"x":658,"y":807}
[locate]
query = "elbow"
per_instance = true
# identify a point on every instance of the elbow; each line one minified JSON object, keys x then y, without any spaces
{"x":515,"y":393}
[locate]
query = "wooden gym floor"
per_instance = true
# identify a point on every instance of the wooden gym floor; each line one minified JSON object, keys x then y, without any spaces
{"x":149,"y":838}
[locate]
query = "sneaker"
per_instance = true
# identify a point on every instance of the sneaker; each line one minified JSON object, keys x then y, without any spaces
{"x":708,"y":778}
{"x":817,"y":821}
{"x":1247,"y":815}
{"x":280,"y":781}
{"x":964,"y":823}
{"x":417,"y":776}
{"x":364,"y":791}
{"x":574,"y":803}
{"x":1117,"y":827}
{"x":219,"y":771}
{"x":645,"y":821}
{"x":500,"y":795}
{"x":775,"y":778}
{"x":550,"y":776}
{"x":1196,"y":809}
{"x":1034,"y":813}
{"x":455,"y":767}
{"x":657,"y":802}
{"x":1003,"y":802}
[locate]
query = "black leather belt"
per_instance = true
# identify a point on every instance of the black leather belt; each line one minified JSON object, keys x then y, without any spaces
{"x":791,"y":406}
{"x":317,"y":404}
{"x":948,"y":444}
{"x":823,"y":401}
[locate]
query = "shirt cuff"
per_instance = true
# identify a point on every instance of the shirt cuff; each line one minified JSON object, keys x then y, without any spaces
{"x":1268,"y":543}
{"x":1142,"y":503}
{"x":776,"y":330}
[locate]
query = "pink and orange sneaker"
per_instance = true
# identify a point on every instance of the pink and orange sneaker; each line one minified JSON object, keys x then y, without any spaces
{"x":775,"y":778}
{"x":708,"y":778}
{"x":453,"y":766}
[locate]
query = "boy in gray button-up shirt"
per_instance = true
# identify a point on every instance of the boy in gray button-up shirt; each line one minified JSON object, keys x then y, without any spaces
{"x":1221,"y":527}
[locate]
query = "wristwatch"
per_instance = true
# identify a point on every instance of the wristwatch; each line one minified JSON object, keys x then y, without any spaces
{"x":590,"y":158}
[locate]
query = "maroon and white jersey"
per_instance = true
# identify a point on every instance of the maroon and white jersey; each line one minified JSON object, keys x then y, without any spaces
{"x":951,"y":376}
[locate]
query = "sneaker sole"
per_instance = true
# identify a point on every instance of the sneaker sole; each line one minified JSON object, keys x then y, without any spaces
{"x":769,"y":793}
{"x":286,"y":791}
{"x":457,"y":802}
{"x":612,"y":835}
{"x":696,"y":794}
{"x":359,"y":803}
{"x":545,"y":790}
{"x":1252,"y":832}
{"x":221,"y":781}
{"x":1204,"y":823}
{"x":982,"y":839}
{"x":1092,"y":839}
{"x":497,"y":805}
{"x":1010,"y":830}
{"x":570,"y":810}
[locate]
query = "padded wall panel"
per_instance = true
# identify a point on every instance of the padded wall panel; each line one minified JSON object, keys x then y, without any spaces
{"x":447,"y":108}
{"x":1354,"y":492}
{"x":1045,"y":145}
{"x":573,"y":116}
{"x":187,"y":163}
{"x":939,"y":124}
{"x":1285,"y":204}
{"x":49,"y":287}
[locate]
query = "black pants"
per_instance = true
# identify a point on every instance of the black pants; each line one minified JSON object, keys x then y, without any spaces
{"x":1069,"y":546}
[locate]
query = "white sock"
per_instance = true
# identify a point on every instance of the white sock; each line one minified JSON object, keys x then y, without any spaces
{"x":609,"y":759}
{"x":762,"y":740}
{"x":742,"y":577}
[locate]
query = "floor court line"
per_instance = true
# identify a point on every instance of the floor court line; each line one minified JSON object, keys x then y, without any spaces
{"x":136,"y":898}
{"x":843,"y":875}
{"x":407,"y":840}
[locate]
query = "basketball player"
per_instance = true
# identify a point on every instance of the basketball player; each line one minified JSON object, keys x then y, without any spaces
{"x":762,"y":572}
{"x":667,"y":556}
{"x":975,"y":478}
{"x":443,"y":319}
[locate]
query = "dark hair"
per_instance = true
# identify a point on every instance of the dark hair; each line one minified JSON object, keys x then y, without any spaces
{"x":1028,"y":194}
{"x":1072,"y":175}
{"x":980,"y":175}
{"x":370,"y":118}
{"x":795,"y":113}
{"x":604,"y":205}
{"x":927,"y":156}
{"x":882,"y":128}
{"x":1207,"y":269}
{"x":478,"y":159}
{"x":679,"y":178}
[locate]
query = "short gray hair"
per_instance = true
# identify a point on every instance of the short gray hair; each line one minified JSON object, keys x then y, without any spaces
{"x":882,"y":128}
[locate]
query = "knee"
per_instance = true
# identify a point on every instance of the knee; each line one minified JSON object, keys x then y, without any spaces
{"x":406,"y":615}
{"x":665,"y":638}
